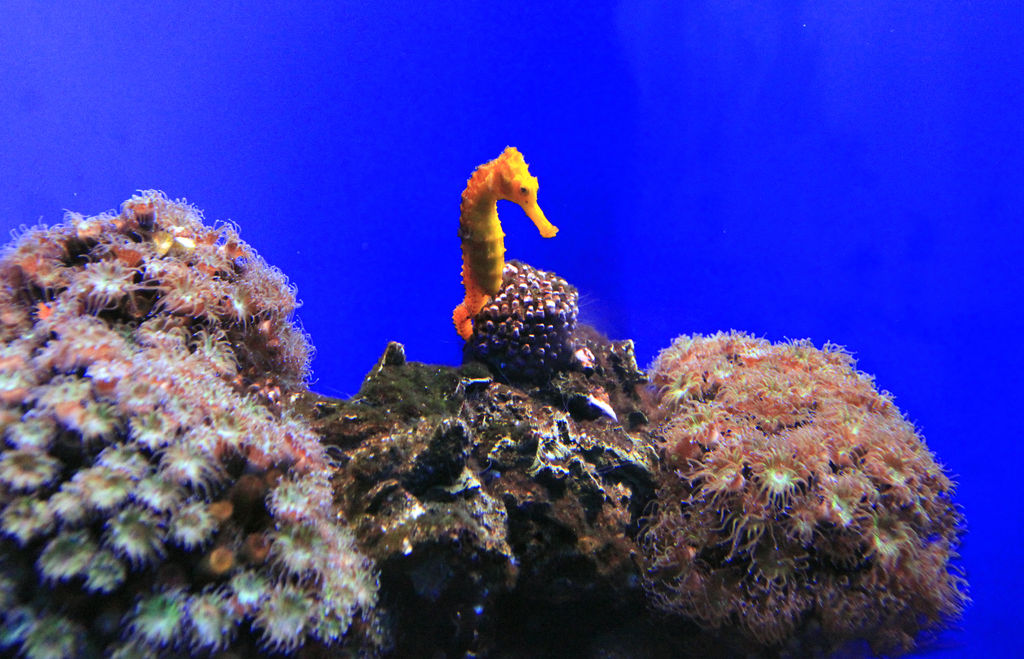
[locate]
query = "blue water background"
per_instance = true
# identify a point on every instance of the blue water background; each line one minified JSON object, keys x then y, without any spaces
{"x":848,"y":172}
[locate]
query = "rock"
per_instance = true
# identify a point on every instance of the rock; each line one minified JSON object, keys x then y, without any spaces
{"x":489,"y":511}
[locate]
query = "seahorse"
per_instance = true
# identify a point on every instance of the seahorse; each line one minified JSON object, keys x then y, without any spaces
{"x":483,"y":242}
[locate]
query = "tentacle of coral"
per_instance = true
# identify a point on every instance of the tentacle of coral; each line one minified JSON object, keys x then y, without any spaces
{"x":483,"y":242}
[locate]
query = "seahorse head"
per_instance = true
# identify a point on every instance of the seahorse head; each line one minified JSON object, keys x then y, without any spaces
{"x":512,"y":181}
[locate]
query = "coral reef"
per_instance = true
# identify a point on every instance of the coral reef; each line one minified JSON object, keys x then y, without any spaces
{"x":526,"y":330}
{"x":166,"y":490}
{"x":157,"y":493}
{"x":483,"y":242}
{"x":796,"y":502}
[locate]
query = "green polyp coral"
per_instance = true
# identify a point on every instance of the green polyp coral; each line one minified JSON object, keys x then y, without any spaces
{"x":295,"y":547}
{"x":158,"y":493}
{"x":143,"y":358}
{"x":24,"y":518}
{"x":68,"y":555}
{"x":213,"y":621}
{"x":248,"y":589}
{"x":192,"y":525}
{"x":284,"y":618}
{"x":136,"y":534}
{"x":27,"y":469}
{"x":158,"y":618}
{"x":99,"y":488}
{"x":53,"y":637}
{"x":105,"y":573}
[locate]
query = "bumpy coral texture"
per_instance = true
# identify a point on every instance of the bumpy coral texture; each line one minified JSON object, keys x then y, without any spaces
{"x":155,"y":494}
{"x":798,"y":502}
{"x":526,"y":330}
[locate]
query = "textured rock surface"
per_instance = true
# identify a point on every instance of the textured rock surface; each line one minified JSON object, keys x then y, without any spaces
{"x":500,"y":523}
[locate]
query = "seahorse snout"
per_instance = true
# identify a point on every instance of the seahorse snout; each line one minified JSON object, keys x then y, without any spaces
{"x":536,"y":215}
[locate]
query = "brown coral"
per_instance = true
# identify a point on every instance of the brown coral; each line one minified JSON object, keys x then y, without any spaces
{"x":796,"y":497}
{"x":526,"y":330}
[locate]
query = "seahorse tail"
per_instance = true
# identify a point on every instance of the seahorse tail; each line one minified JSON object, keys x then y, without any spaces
{"x":465,"y":313}
{"x":463,"y":321}
{"x":476,"y":298}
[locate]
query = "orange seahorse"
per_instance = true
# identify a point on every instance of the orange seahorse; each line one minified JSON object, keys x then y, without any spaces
{"x":483,"y":242}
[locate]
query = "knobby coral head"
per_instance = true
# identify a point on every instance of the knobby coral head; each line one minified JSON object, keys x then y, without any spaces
{"x":507,"y":177}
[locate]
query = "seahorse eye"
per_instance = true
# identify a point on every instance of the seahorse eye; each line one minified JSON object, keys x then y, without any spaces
{"x":522,"y":189}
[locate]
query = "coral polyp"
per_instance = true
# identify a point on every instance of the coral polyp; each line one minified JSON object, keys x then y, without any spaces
{"x":778,"y":472}
{"x":157,"y":618}
{"x":66,"y":556}
{"x":284,"y":618}
{"x":799,"y":505}
{"x":136,"y":535}
{"x":213,"y":622}
{"x":104,"y":284}
{"x":27,"y":469}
